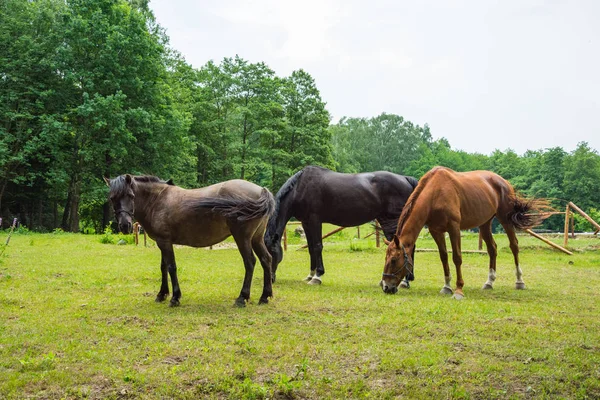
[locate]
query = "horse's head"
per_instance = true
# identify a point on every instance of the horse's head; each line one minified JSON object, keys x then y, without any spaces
{"x":273,"y":243}
{"x":122,"y":197}
{"x":398,"y":263}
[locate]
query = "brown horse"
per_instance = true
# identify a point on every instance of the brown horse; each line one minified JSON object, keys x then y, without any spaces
{"x":448,"y":201}
{"x":198,"y":218}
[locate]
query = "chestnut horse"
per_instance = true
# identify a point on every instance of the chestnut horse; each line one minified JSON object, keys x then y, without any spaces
{"x":448,"y":201}
{"x":198,"y":218}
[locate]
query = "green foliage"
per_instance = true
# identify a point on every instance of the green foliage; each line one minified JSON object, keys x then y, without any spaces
{"x":108,"y":237}
{"x":91,"y":88}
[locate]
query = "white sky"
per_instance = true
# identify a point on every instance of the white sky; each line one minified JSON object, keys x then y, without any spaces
{"x":485,"y":74}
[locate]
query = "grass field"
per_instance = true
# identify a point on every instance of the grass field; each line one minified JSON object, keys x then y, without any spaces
{"x":78,"y":320}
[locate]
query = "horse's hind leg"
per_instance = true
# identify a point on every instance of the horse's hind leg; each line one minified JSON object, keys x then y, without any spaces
{"x":242,"y":239}
{"x":514,"y":247}
{"x":313,"y":232}
{"x":168,"y":256}
{"x":440,"y":241}
{"x":258,"y":245}
{"x":486,"y":235}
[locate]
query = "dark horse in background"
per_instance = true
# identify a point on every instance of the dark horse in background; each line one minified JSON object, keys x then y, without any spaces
{"x":448,"y":201}
{"x":198,"y":218}
{"x":316,"y":195}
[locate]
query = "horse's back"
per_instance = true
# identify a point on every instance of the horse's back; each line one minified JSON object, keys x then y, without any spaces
{"x":349,"y":199}
{"x":472,"y":197}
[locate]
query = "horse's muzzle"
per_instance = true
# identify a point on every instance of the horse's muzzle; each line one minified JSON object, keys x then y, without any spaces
{"x":388,"y":289}
{"x":126,"y":227}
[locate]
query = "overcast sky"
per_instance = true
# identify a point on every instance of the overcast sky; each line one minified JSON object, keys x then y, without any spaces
{"x":484,"y":74}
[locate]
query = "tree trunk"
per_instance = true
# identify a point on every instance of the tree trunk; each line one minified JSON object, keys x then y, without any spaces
{"x":75,"y":199}
{"x":2,"y":188}
{"x":40,"y":212}
{"x":55,"y":215}
{"x":65,"y":218}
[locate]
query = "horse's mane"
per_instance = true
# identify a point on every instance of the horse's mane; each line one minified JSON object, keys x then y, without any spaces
{"x":119,"y":185}
{"x":149,"y":179}
{"x":421,"y":183}
{"x":287,"y":187}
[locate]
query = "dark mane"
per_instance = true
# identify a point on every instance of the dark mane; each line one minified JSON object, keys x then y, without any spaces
{"x":149,"y":179}
{"x":414,"y":196}
{"x":119,"y":187}
{"x":287,"y":187}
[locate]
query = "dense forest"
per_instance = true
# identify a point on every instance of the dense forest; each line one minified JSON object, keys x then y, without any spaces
{"x":91,"y":88}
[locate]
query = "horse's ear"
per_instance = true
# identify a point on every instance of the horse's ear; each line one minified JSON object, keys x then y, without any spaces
{"x":106,"y":180}
{"x":170,"y":182}
{"x":128,"y":179}
{"x":396,"y":241}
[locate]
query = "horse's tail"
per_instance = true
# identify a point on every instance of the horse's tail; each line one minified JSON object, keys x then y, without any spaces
{"x":527,"y":213}
{"x":241,"y":208}
{"x":412,"y":181}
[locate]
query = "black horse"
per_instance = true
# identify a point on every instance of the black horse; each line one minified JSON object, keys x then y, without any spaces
{"x":198,"y":218}
{"x":316,"y":195}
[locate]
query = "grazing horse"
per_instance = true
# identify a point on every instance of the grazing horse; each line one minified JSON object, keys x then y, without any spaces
{"x":198,"y":218}
{"x":316,"y":195}
{"x":448,"y":201}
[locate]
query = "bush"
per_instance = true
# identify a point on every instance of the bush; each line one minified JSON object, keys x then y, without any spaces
{"x":108,"y":237}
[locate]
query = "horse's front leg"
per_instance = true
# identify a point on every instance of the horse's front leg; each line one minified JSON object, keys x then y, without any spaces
{"x":168,"y":256}
{"x":440,"y":241}
{"x":454,"y":234}
{"x":266,"y":260}
{"x":313,"y":230}
{"x":163,"y":293}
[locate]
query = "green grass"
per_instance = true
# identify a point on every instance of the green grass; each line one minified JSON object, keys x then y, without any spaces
{"x":78,"y":320}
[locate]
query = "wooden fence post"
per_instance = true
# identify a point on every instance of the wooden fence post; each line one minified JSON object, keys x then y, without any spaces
{"x":566,"y":226}
{"x":285,"y":238}
{"x":136,"y":232}
{"x":480,"y":240}
{"x":377,"y":234}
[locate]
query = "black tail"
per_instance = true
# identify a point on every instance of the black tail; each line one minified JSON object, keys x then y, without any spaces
{"x":413,"y":182}
{"x":241,"y":208}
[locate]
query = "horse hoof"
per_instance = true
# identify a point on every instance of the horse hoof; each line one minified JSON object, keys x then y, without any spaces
{"x":404,"y":285}
{"x":160,"y":298}
{"x":174,"y":303}
{"x":446,"y":290}
{"x":240,"y":302}
{"x":458,"y":296}
{"x":520,"y":285}
{"x":315,"y":281}
{"x":263,"y":301}
{"x":308,"y":278}
{"x":487,"y":286}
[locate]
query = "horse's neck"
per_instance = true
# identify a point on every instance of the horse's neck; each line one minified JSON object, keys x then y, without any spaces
{"x":415,"y":222}
{"x":283,"y":214}
{"x":145,"y":196}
